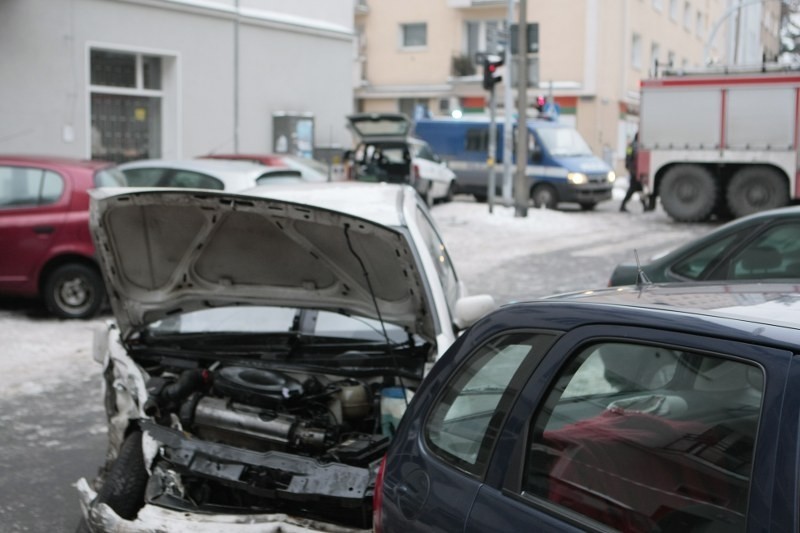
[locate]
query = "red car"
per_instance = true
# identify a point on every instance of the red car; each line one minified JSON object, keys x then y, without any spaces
{"x":47,"y":250}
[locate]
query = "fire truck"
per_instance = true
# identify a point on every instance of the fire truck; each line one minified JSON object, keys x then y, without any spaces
{"x":720,"y":143}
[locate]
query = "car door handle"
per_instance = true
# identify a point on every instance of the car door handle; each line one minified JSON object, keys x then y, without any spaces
{"x":42,"y":230}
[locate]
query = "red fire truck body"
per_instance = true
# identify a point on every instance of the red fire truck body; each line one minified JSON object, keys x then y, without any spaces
{"x":724,"y":143}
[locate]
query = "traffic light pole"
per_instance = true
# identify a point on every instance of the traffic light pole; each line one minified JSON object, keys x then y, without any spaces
{"x":508,"y":105}
{"x":521,"y":179}
{"x":492,"y":149}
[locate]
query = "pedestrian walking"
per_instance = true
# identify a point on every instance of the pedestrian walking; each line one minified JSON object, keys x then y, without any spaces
{"x":634,"y":185}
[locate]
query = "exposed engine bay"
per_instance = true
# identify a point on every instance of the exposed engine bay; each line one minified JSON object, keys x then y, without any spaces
{"x":236,"y":438}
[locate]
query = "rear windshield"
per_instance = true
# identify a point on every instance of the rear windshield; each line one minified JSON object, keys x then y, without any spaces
{"x":110,"y":177}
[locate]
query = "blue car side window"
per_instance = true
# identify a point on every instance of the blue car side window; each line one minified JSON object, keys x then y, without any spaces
{"x":466,"y":418}
{"x":641,"y":438}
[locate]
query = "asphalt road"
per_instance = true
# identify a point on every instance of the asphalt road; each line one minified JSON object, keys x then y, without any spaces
{"x":51,"y":421}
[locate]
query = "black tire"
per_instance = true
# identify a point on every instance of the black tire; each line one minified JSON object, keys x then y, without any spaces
{"x":688,"y":193}
{"x":588,"y":206}
{"x":125,"y":482}
{"x":756,"y":188}
{"x":451,"y":191}
{"x":74,"y":290}
{"x":544,"y":195}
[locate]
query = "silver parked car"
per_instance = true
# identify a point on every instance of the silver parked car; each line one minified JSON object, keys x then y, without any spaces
{"x":259,"y":345}
{"x":221,"y":175}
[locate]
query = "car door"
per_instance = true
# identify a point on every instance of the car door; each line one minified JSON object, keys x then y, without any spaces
{"x":641,"y":429}
{"x":33,"y":207}
{"x":432,"y":477}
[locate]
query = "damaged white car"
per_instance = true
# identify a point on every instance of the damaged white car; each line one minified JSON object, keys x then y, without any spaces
{"x":264,"y":348}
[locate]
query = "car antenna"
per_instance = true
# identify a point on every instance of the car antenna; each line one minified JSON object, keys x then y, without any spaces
{"x":641,"y":277}
{"x":377,"y":309}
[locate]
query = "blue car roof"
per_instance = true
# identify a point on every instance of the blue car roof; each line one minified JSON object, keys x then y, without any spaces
{"x":770,"y":311}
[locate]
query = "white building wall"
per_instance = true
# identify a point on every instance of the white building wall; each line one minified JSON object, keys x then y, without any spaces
{"x":286,"y":63}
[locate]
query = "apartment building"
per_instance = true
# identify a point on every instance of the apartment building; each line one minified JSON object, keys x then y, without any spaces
{"x":132,"y":79}
{"x":419,"y":55}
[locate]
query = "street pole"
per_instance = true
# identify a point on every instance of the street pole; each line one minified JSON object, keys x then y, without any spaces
{"x":492,"y":149}
{"x":508,"y":104}
{"x":521,"y":181}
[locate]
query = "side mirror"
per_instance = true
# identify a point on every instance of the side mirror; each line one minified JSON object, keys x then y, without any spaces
{"x":471,"y":308}
{"x":536,"y":154}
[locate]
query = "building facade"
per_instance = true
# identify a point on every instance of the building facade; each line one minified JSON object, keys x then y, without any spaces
{"x":418,"y":56}
{"x":132,"y":79}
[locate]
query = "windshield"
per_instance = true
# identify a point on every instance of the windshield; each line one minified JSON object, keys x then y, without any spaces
{"x":300,"y":162}
{"x":564,"y":142}
{"x":261,"y":320}
{"x":110,"y":177}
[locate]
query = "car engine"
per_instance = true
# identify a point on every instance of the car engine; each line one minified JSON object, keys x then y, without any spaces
{"x":235,"y":437}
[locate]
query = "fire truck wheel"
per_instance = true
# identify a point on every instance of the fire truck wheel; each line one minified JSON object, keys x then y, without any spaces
{"x":688,"y":193}
{"x":756,"y":188}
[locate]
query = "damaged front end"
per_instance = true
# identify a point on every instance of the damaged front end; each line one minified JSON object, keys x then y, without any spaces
{"x":204,"y":441}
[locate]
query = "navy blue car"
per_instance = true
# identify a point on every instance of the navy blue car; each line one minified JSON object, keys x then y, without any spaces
{"x":663,"y":408}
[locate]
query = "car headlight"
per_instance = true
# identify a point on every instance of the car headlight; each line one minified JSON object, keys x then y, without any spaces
{"x":611,"y":176}
{"x":577,"y":178}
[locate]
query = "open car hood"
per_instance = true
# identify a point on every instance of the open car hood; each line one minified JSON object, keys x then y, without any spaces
{"x":167,"y":251}
{"x":380,"y":126}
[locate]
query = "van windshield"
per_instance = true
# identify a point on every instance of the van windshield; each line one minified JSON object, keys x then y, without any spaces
{"x":564,"y":142}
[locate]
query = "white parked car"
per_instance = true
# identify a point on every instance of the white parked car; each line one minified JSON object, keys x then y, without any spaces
{"x":386,"y":152}
{"x":264,"y":348}
{"x":221,"y":175}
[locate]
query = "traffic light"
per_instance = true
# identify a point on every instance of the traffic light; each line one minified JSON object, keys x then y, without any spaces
{"x":491,"y":71}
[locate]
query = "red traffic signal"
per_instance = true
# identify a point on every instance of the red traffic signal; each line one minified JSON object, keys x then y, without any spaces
{"x":491,"y":71}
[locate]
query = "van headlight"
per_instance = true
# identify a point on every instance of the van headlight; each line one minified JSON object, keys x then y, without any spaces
{"x":611,"y":176}
{"x":577,"y":178}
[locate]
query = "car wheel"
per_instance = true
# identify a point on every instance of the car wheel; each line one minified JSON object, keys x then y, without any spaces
{"x":754,"y":189}
{"x":451,"y":191}
{"x":688,"y":193}
{"x":427,"y":196}
{"x":544,"y":195}
{"x":124,"y":485}
{"x":74,"y":291}
{"x":588,"y":206}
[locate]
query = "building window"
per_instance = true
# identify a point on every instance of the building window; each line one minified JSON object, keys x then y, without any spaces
{"x":687,"y":16}
{"x":126,"y":97}
{"x":414,"y":35}
{"x":698,"y":29}
{"x":673,"y":10}
{"x":655,"y":51}
{"x":671,"y":59}
{"x":414,"y":107}
{"x":636,"y":51}
{"x":658,"y":5}
{"x":482,"y":36}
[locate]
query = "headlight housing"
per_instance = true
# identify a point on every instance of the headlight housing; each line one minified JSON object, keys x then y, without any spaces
{"x":577,"y":178}
{"x":611,"y":176}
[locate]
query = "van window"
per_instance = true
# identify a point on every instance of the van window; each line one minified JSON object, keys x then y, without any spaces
{"x":563,"y":142}
{"x":477,"y":140}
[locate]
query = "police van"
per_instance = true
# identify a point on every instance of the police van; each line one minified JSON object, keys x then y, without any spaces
{"x":561,"y":166}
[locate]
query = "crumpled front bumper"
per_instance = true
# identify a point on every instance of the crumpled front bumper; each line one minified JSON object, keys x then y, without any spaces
{"x":153,"y":519}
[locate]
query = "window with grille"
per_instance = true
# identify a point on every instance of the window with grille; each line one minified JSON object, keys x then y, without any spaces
{"x":126,"y":105}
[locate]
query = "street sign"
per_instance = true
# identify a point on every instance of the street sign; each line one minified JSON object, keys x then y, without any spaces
{"x":532,"y":38}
